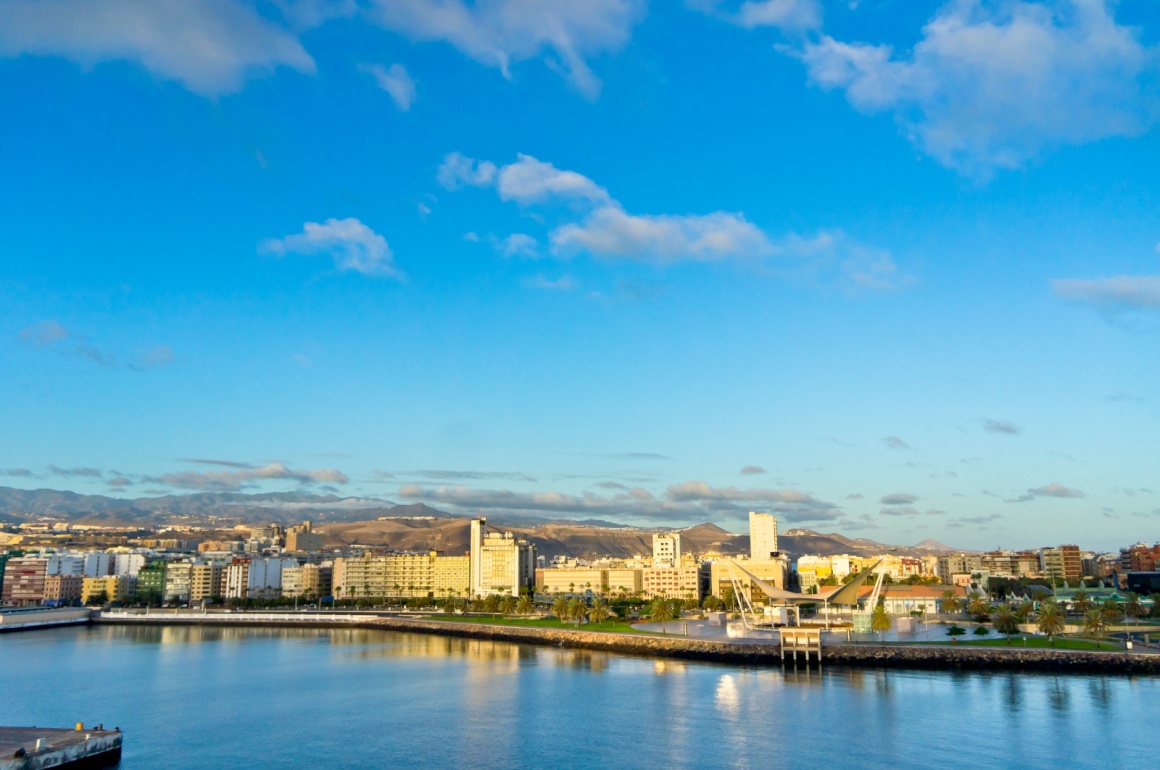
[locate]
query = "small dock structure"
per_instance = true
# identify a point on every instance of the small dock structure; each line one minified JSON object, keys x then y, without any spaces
{"x":803,"y":639}
{"x":29,"y":618}
{"x":34,"y":748}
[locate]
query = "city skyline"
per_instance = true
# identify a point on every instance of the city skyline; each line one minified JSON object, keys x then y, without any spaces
{"x":825,"y":263}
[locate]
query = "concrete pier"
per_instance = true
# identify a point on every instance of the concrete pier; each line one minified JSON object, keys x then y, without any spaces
{"x":33,"y":748}
{"x":28,"y":618}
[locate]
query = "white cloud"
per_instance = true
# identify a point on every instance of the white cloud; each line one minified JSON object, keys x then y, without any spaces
{"x":519,"y":245}
{"x":396,"y":81}
{"x":237,"y":479}
{"x":532,"y":181}
{"x":353,"y":246}
{"x":612,"y":232}
{"x":603,"y":228}
{"x":1054,"y":489}
{"x":498,"y":33}
{"x":1001,"y":426}
{"x":787,"y":15}
{"x":211,"y":47}
{"x":458,"y":170}
{"x":1121,"y":291}
{"x":898,"y":498}
{"x":993,"y":85}
{"x":752,"y":470}
{"x":693,"y":501}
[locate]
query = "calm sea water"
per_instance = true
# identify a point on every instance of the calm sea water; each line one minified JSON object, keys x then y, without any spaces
{"x":189,"y":697}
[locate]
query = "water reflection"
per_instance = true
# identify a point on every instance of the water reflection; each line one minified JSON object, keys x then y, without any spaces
{"x":364,"y":698}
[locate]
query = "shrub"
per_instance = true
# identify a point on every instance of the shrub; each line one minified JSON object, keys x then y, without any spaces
{"x":980,"y":631}
{"x":956,"y":631}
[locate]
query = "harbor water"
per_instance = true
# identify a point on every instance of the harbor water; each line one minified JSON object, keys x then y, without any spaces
{"x":243,"y":697}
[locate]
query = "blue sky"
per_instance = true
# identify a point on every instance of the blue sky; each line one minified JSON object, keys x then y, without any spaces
{"x":889,"y":269}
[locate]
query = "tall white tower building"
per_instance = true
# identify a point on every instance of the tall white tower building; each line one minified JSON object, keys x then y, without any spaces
{"x":762,"y":535}
{"x":667,"y":549}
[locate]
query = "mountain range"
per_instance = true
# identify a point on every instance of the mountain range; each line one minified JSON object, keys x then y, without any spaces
{"x":416,"y":527}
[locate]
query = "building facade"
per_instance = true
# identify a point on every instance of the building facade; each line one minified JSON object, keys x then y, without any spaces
{"x":762,"y":536}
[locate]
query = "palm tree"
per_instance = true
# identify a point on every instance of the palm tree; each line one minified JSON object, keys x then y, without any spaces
{"x":1006,"y":621}
{"x":560,"y":608}
{"x":880,"y":621}
{"x":450,"y":605}
{"x":1050,"y":620}
{"x":1134,"y":608}
{"x":577,"y":610}
{"x":599,"y":612}
{"x":525,"y":606}
{"x":1080,"y":602}
{"x":712,"y":603}
{"x":491,"y":604}
{"x":507,"y":606}
{"x":1095,"y":623}
{"x":1024,"y":610}
{"x":660,"y":611}
{"x":950,"y":602}
{"x":979,"y":608}
{"x":1113,"y":612}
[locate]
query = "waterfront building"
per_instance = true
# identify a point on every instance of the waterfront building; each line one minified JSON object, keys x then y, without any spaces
{"x":264,"y":577}
{"x":303,"y":538}
{"x":307,"y":581}
{"x":1140,"y":558}
{"x":114,"y":588}
{"x":237,"y":579}
{"x":722,"y":576}
{"x":500,"y":563}
{"x":569,"y":580}
{"x":904,"y":599}
{"x":401,"y":575}
{"x":24,"y":581}
{"x":207,"y":581}
{"x":62,"y":590}
{"x":680,"y":582}
{"x":1062,"y":562}
{"x":666,"y":549}
{"x":128,"y":563}
{"x":65,"y":564}
{"x":624,"y":580}
{"x":762,"y":536}
{"x":97,"y":564}
{"x":1010,"y":564}
{"x":151,"y":581}
{"x":951,"y":565}
{"x":178,"y":581}
{"x":812,"y":570}
{"x":452,"y":575}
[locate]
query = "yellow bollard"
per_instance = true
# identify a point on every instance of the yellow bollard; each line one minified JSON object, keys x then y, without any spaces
{"x":80,"y":726}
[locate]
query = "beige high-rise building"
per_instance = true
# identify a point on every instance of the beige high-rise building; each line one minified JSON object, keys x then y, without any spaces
{"x":63,"y":589}
{"x":237,"y":579}
{"x":115,"y":588}
{"x":501,"y":563}
{"x":671,"y":582}
{"x":303,"y":538}
{"x":206,"y":581}
{"x":762,"y":535}
{"x":666,"y":549}
{"x":307,"y":580}
{"x":401,"y":575}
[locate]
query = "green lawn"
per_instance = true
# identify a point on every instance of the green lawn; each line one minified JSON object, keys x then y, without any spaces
{"x":608,"y":626}
{"x":1038,"y":642}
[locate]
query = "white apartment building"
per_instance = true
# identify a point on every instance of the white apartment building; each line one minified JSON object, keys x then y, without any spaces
{"x":762,"y":535}
{"x":666,"y":549}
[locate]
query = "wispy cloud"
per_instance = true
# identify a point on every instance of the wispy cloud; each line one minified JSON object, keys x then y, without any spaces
{"x":499,"y":33}
{"x":16,"y":472}
{"x":898,"y":498}
{"x":563,"y":283}
{"x":210,"y":47}
{"x":233,"y":480}
{"x":396,"y":81}
{"x":353,"y":246}
{"x":52,"y":336}
{"x":84,"y":472}
{"x":1054,"y":489}
{"x":894,"y":442}
{"x":691,"y":501}
{"x":993,"y":85}
{"x":1001,"y":426}
{"x":1121,"y":292}
{"x":752,"y":470}
{"x":792,"y":16}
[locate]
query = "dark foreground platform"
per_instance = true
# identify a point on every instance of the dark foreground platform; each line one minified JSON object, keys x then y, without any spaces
{"x":32,"y":748}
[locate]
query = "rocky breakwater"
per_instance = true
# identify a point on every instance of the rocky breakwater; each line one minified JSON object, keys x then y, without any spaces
{"x":860,"y":655}
{"x":629,"y":644}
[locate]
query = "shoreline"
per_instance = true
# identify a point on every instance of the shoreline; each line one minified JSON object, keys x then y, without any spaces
{"x":929,"y":657}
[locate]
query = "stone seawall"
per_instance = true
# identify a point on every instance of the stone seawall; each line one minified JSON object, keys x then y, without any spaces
{"x":869,"y":656}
